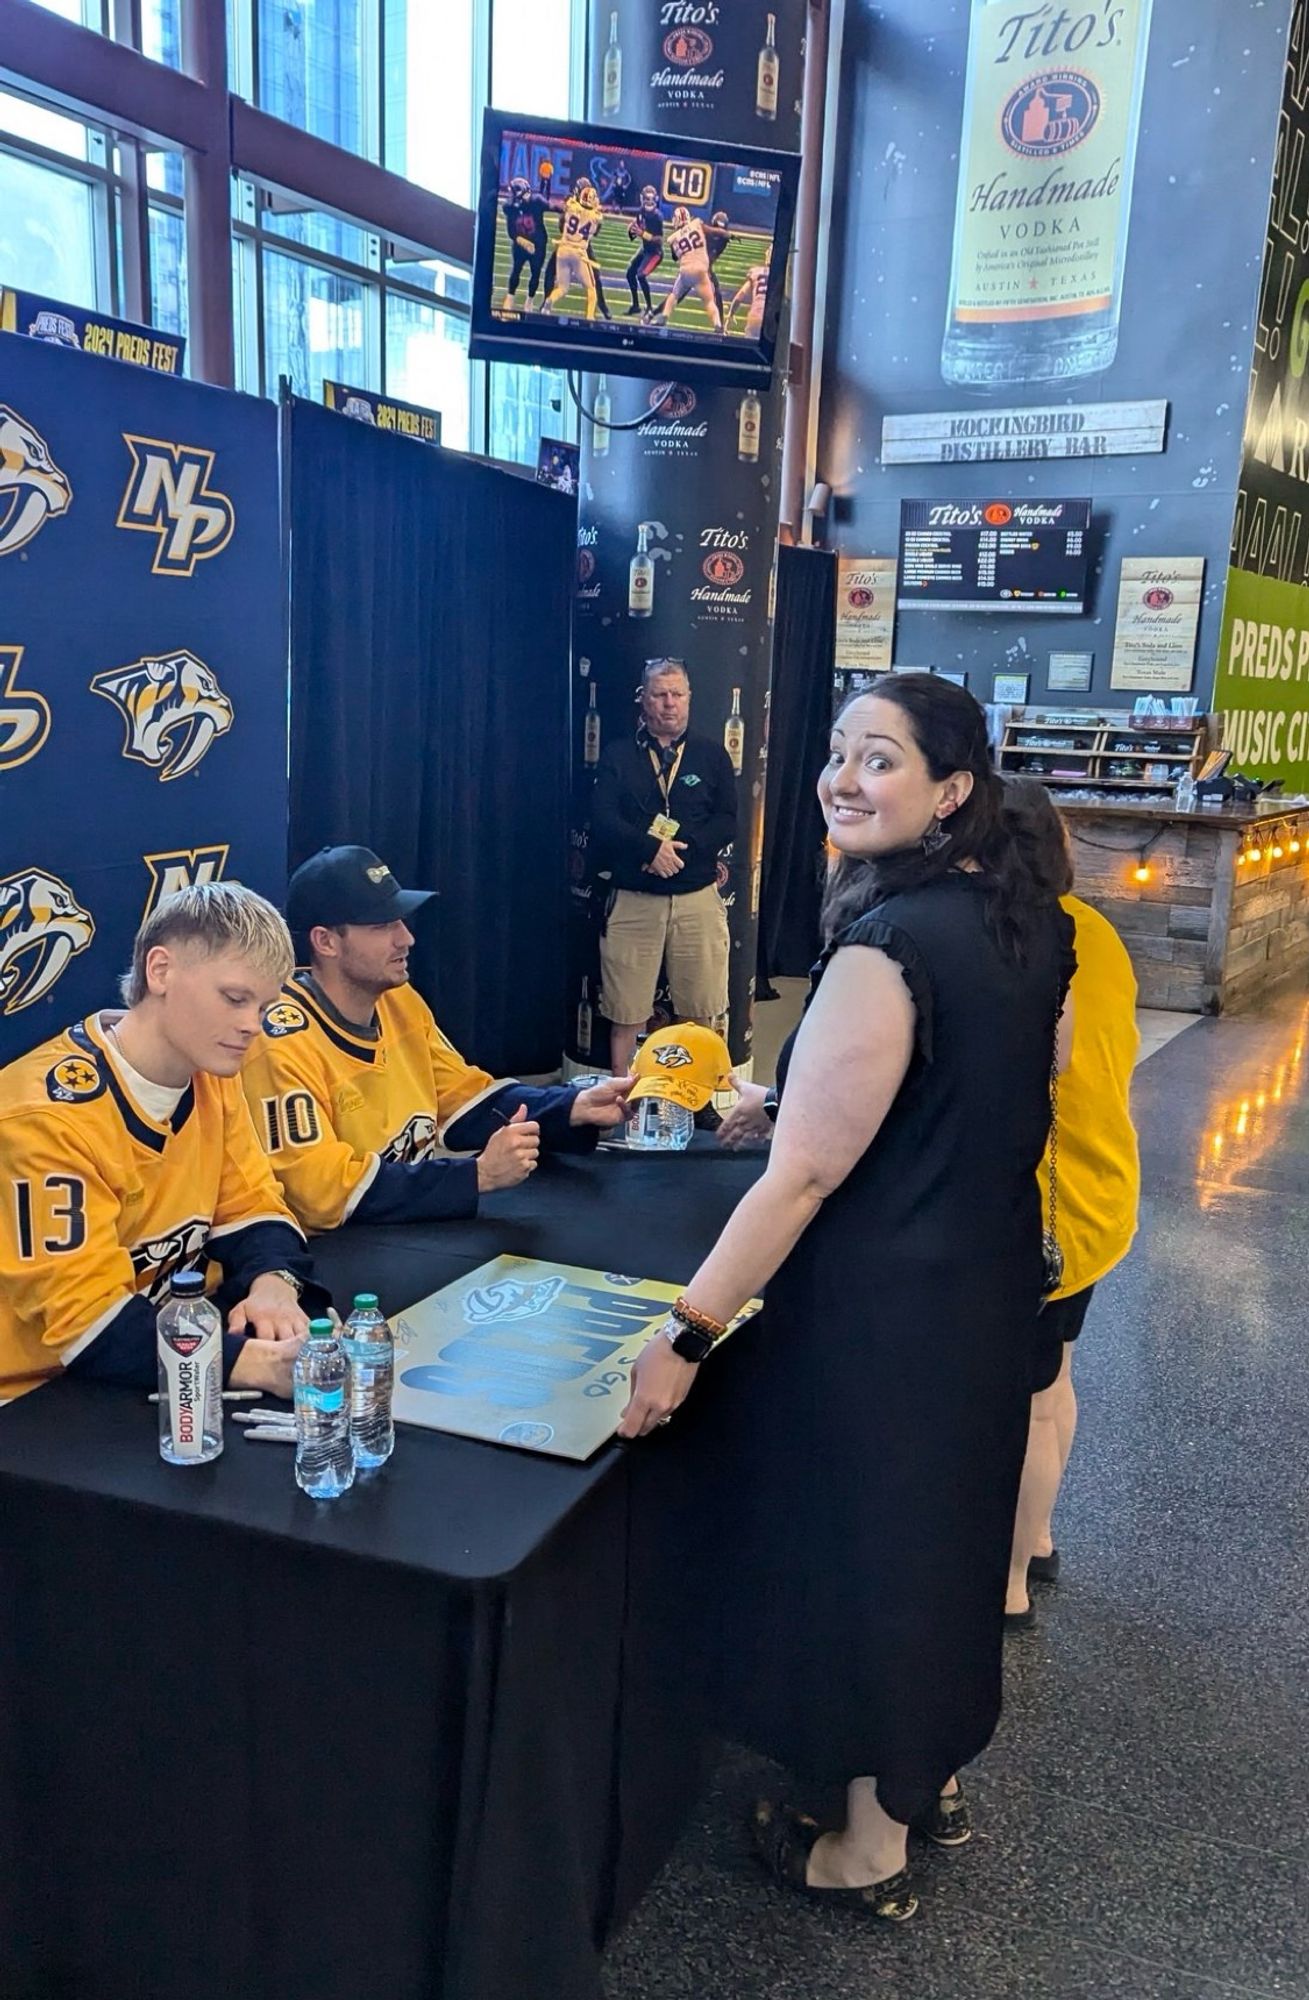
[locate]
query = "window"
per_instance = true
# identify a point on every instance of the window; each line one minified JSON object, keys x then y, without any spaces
{"x":167,"y":270}
{"x":431,"y":138}
{"x":316,"y":327}
{"x":531,"y":57}
{"x":50,"y":232}
{"x":427,"y":363}
{"x":526,"y":404}
{"x":161,"y":31}
{"x":316,"y":68}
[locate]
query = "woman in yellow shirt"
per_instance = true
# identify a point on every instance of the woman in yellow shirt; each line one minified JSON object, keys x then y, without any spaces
{"x":1098,"y":1181}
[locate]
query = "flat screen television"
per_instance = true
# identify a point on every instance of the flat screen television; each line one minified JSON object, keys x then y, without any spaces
{"x":994,"y":555}
{"x":626,"y":252}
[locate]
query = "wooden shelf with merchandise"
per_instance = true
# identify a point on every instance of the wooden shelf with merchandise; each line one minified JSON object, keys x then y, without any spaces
{"x":1089,"y":748}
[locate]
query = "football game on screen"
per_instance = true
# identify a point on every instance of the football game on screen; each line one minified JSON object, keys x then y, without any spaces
{"x":628,"y":236}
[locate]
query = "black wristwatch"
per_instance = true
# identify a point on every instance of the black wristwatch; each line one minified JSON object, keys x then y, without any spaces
{"x":771,"y":1106}
{"x":688,"y":1341}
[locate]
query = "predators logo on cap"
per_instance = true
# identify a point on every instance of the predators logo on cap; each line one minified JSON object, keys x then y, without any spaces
{"x":684,"y":1065}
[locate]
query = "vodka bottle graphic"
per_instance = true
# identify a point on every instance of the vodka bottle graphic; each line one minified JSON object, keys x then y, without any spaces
{"x":734,"y":733}
{"x":765,"y":102}
{"x":1051,"y":114}
{"x":584,"y":1020}
{"x":640,"y":577}
{"x":600,"y":419}
{"x":747,"y":428}
{"x":591,"y":729}
{"x":613,"y":71}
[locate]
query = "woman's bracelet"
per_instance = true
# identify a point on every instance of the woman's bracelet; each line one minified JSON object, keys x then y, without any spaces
{"x":699,"y":1322}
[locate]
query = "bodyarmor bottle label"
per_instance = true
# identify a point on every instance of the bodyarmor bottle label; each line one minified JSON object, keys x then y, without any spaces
{"x":1045,"y":184}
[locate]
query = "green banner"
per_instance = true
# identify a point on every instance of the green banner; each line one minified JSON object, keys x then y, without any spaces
{"x":1262,"y":688}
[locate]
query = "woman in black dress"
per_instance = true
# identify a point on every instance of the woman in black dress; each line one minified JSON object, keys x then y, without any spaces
{"x":874,"y":1431}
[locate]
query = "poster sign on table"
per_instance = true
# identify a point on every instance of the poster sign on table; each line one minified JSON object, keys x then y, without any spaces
{"x":385,"y":413}
{"x":64,"y":325}
{"x":528,"y":1353}
{"x":865,"y":613}
{"x":1159,"y":602}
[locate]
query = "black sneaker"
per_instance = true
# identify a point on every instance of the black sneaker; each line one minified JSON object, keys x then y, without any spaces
{"x":949,"y":1824}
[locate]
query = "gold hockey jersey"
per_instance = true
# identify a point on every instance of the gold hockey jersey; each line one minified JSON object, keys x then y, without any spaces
{"x":332,"y":1105}
{"x":99,"y":1204}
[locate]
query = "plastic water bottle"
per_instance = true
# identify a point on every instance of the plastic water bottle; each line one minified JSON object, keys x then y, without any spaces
{"x":324,"y":1462}
{"x":371,"y":1350}
{"x":190,"y":1347}
{"x":660,"y":1127}
{"x":1184,"y":792}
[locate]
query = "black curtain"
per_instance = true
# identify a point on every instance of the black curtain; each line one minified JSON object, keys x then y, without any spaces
{"x":800,"y":718}
{"x":431,"y":599}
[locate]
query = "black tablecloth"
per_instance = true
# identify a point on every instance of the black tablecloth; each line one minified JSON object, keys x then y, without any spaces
{"x":428,"y":1741}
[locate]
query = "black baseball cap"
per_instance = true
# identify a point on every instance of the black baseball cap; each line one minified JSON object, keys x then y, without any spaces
{"x":348,"y":885}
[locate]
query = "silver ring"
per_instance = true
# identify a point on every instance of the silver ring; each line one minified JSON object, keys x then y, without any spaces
{"x":664,"y":1420}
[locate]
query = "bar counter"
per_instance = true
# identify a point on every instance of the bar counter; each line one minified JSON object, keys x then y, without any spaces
{"x":1211,"y":927}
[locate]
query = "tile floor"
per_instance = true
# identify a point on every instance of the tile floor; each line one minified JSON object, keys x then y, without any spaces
{"x":1141,"y":1827}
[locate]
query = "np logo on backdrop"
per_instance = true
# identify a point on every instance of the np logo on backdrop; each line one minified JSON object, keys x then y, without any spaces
{"x":24,"y":714}
{"x":32,"y":488}
{"x":183,"y":868}
{"x":173,"y":709}
{"x":169,"y":496}
{"x":42,"y":926}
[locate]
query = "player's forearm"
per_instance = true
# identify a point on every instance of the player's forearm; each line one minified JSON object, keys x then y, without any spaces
{"x":419,"y":1191}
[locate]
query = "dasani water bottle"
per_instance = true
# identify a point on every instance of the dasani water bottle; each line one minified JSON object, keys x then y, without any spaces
{"x":371,"y":1350}
{"x":324,"y":1462}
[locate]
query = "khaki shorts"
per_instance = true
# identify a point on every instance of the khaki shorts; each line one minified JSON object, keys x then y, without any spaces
{"x":687,"y":934}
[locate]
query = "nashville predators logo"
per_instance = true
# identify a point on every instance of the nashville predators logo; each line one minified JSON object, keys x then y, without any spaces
{"x":41,"y":928}
{"x":24,"y":714}
{"x":32,"y":488}
{"x":673,"y":1056}
{"x":157,"y":1258}
{"x":416,"y":1142}
{"x":183,"y":868}
{"x":284,"y":1018}
{"x":173,"y":708}
{"x":511,"y":1299}
{"x":168,"y":495}
{"x":74,"y":1080}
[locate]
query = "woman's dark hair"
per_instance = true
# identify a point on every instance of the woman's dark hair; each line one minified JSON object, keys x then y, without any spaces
{"x":1038,"y":827}
{"x":949,"y":728}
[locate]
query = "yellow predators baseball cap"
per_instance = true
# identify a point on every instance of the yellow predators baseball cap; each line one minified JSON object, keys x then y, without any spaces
{"x":686,"y":1065}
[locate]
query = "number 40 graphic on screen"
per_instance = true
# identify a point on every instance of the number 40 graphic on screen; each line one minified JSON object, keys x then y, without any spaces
{"x":687,"y":181}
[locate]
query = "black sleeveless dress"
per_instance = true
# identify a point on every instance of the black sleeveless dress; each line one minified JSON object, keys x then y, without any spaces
{"x":872,"y":1424}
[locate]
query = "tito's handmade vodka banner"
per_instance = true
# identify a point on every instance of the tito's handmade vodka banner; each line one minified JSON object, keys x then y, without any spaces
{"x":1046,"y":162}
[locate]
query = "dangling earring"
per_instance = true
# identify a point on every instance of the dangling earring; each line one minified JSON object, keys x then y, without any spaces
{"x":937,"y":836}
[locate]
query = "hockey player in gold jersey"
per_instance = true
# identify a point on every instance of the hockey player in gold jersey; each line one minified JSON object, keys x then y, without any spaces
{"x":367,"y":1111}
{"x":127,"y":1153}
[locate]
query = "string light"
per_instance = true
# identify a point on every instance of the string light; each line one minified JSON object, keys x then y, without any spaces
{"x":1255,"y":854}
{"x":1141,"y":872}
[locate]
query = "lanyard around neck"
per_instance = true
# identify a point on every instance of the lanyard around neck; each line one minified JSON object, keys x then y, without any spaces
{"x":666,"y":779}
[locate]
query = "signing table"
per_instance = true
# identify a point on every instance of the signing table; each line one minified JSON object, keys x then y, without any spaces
{"x":428,"y":1742}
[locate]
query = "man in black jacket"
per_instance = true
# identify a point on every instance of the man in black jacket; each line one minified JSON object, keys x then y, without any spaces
{"x":663,"y":809}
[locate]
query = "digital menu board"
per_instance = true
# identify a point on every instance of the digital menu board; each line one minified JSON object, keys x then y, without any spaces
{"x":994,"y":555}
